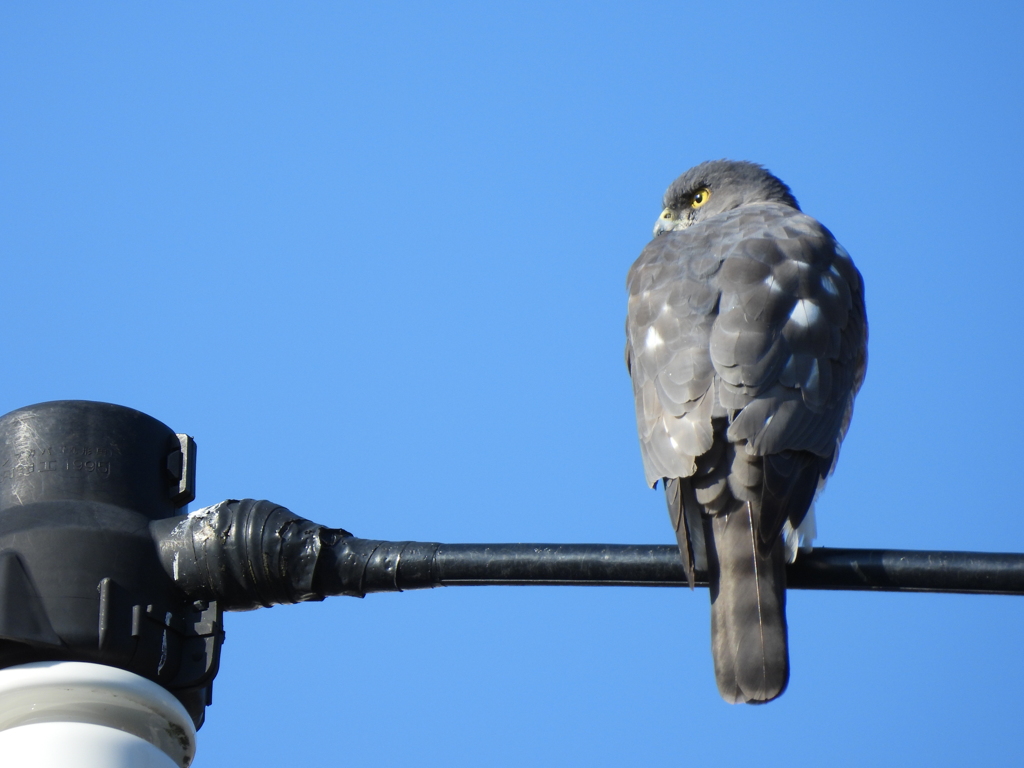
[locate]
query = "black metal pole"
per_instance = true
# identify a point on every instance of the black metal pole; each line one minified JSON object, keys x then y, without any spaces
{"x":354,"y":566}
{"x":247,"y":553}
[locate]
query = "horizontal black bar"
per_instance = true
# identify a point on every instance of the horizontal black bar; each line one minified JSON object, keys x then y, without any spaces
{"x":908,"y":570}
{"x":358,"y":566}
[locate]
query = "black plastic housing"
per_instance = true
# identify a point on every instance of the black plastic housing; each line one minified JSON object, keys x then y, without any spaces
{"x":80,"y":579}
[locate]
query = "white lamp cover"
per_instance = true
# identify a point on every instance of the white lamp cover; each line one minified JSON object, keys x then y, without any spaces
{"x":67,"y":714}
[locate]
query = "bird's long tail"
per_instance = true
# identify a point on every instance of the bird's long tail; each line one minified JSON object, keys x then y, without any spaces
{"x":748,"y":609}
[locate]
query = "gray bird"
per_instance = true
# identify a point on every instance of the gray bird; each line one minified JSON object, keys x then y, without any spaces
{"x":746,"y":343}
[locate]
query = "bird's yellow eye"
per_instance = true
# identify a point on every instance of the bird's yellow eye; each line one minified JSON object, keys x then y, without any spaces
{"x":700,"y":197}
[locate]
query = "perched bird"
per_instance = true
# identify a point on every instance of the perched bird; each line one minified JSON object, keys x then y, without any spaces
{"x":746,"y":344}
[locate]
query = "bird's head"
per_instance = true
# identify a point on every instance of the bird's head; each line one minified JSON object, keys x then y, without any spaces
{"x":715,"y":187}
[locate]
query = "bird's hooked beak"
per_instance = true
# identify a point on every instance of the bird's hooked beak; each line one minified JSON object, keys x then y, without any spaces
{"x":666,"y":222}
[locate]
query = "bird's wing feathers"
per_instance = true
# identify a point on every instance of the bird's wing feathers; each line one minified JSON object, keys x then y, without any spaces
{"x":671,"y":313}
{"x":758,"y":314}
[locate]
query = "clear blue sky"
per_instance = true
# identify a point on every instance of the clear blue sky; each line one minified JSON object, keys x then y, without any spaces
{"x":372,"y":256}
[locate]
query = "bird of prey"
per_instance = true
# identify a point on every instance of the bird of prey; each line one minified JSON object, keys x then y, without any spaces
{"x":746,"y":344}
